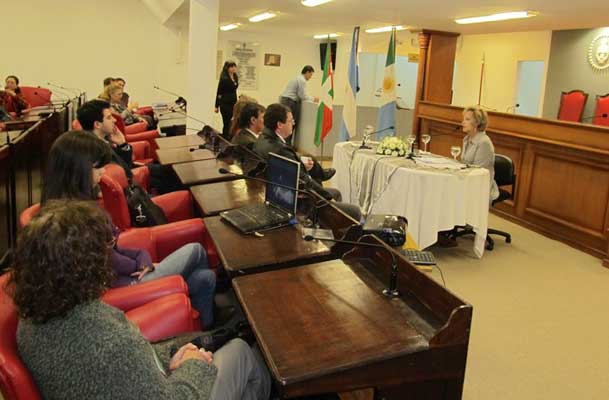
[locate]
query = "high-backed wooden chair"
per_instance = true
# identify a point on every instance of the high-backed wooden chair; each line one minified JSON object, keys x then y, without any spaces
{"x":601,"y":113}
{"x":572,"y":105}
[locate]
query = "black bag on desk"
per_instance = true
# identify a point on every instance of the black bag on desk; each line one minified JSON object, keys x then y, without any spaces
{"x":142,"y":210}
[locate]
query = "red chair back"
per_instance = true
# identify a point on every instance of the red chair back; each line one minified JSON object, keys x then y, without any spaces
{"x":120,"y":124}
{"x":601,"y":114}
{"x":572,"y":105}
{"x":36,"y":96}
{"x":113,"y":183}
{"x":27,"y":214}
{"x":16,"y":382}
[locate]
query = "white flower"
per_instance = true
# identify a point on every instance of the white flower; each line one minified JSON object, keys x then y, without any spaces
{"x":388,"y":152}
{"x":394,"y":153}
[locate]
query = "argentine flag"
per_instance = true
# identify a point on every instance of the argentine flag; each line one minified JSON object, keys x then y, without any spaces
{"x":386,"y":116}
{"x":348,"y":126}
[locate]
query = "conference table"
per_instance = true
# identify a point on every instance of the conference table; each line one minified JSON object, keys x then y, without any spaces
{"x":170,"y":142}
{"x":213,"y":198}
{"x":433,"y":199}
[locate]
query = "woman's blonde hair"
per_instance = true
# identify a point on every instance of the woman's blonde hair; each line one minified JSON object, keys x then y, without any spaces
{"x":111,"y":88}
{"x":480,"y":116}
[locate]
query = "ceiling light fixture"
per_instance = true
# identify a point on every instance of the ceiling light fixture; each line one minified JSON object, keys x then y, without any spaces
{"x":229,"y":27}
{"x":497,"y":17}
{"x":314,"y":3}
{"x":325,"y":36}
{"x":386,"y":29}
{"x":263,"y":16}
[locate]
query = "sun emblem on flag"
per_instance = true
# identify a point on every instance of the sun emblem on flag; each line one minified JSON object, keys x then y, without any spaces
{"x":598,"y":52}
{"x":388,"y":84}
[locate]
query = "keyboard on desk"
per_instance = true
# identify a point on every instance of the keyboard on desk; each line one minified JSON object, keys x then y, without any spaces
{"x":419,"y":257}
{"x":256,"y":217}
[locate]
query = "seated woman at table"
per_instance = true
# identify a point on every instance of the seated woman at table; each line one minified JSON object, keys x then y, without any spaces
{"x":11,"y":98}
{"x":113,"y":94}
{"x":74,"y":169}
{"x":78,"y":347}
{"x":477,"y":146}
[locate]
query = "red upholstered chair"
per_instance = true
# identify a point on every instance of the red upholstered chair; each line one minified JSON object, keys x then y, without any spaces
{"x":135,"y":134}
{"x":36,"y":96}
{"x":146,"y":110}
{"x":159,"y":318}
{"x":572,"y":105}
{"x":177,"y":206}
{"x":601,"y":114}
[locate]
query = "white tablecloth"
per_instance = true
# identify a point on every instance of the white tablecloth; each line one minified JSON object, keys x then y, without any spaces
{"x":432,"y":200}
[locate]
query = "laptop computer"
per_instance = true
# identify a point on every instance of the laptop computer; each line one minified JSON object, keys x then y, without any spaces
{"x":279,"y":207}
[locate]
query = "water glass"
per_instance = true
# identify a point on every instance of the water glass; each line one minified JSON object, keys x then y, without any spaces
{"x":455,"y":151}
{"x":426,"y":138}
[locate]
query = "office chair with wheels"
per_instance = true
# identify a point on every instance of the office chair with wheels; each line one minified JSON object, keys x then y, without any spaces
{"x":504,"y":176}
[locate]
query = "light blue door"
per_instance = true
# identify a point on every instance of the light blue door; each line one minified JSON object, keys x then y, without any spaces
{"x":528,"y":90}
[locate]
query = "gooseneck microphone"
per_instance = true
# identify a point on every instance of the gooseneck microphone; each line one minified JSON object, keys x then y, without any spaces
{"x":366,"y":136}
{"x":78,"y":91}
{"x":392,"y":291}
{"x":513,"y":107}
{"x":180,"y":101}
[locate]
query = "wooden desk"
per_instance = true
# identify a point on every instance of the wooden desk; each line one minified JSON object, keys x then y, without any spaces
{"x":205,"y":171}
{"x":171,"y":142}
{"x":326,"y":327}
{"x":214,"y":198}
{"x":245,"y":254}
{"x":181,"y":155}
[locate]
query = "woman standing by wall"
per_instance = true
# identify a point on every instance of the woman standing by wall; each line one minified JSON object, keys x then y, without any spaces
{"x":226,"y":96}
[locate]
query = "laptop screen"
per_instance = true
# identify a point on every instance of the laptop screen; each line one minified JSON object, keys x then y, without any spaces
{"x":282,"y":171}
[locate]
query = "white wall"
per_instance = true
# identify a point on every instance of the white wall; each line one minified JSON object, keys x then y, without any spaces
{"x":502,"y":53}
{"x":93,"y":40}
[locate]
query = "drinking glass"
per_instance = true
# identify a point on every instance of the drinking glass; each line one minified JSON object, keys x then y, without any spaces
{"x":426,"y":138}
{"x":455,"y":151}
{"x":410,"y":140}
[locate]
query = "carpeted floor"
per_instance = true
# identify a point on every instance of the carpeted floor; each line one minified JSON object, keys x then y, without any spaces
{"x":540,"y":328}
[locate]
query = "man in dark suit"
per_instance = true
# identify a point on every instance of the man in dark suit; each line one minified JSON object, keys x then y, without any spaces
{"x":251,"y":123}
{"x":278,"y":124}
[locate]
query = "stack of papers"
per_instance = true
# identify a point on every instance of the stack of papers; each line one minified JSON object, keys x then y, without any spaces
{"x":433,"y":161}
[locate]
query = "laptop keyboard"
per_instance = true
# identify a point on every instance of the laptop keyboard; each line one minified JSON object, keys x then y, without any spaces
{"x":419,"y":257}
{"x":259,"y":214}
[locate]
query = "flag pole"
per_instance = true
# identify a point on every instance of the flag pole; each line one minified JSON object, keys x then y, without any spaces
{"x":481,"y":79}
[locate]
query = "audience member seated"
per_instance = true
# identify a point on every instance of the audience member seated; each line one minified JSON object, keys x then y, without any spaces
{"x":237,"y":109}
{"x":11,"y":98}
{"x":96,"y":116}
{"x":75,"y":165}
{"x":113,"y":94}
{"x":278,"y":124}
{"x":125,"y":99}
{"x":477,"y":146}
{"x":78,"y":347}
{"x":250,"y":123}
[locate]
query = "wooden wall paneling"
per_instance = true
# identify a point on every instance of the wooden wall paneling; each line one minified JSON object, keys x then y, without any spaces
{"x":440,"y":68}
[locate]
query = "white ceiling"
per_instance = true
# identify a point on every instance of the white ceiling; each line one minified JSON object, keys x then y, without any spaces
{"x":343,"y":15}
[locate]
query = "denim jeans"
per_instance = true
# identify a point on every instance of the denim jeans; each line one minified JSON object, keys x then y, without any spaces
{"x":190,"y":261}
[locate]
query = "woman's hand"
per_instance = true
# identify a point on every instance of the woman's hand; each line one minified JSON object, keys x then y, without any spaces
{"x":140,"y":274}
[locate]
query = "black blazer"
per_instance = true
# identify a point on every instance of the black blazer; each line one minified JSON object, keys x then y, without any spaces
{"x":227,"y":91}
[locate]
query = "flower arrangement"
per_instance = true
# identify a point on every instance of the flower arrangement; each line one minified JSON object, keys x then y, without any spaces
{"x":392,"y":146}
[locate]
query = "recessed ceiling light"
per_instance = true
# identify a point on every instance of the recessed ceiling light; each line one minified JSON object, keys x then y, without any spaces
{"x":325,"y":36}
{"x":263,"y":16}
{"x":497,"y":17}
{"x":229,"y":27}
{"x":314,"y":3}
{"x":385,"y":29}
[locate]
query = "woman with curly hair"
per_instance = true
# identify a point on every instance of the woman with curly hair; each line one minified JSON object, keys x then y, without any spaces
{"x":77,"y":347}
{"x":75,"y":166}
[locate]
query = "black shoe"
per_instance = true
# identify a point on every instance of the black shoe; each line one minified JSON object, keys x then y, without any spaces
{"x":328,"y":173}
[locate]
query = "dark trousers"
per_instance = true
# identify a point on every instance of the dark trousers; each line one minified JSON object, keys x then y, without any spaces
{"x":227,"y":114}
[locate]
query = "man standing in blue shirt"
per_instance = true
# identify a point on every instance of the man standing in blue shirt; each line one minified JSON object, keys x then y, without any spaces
{"x":295,"y":92}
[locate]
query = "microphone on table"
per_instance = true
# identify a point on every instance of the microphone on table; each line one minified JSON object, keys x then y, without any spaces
{"x":366,"y":136}
{"x":392,"y":291}
{"x":603,"y":115}
{"x":180,"y":101}
{"x":78,"y":91}
{"x":313,"y":216}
